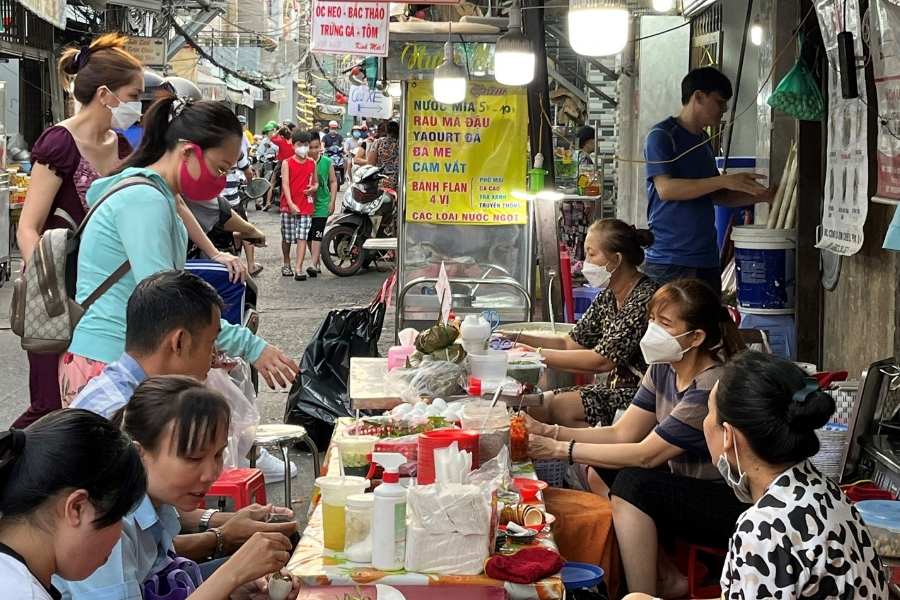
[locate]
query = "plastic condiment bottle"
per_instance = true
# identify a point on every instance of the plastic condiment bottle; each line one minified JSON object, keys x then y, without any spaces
{"x":475,"y":332}
{"x":389,"y":515}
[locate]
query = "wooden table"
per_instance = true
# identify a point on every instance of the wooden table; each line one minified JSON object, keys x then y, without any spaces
{"x":369,"y":392}
{"x":317,"y":566}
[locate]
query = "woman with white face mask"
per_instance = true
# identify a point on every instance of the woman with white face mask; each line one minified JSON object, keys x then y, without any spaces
{"x":606,"y":339}
{"x":761,"y":431}
{"x":67,"y":158}
{"x":654,"y":463}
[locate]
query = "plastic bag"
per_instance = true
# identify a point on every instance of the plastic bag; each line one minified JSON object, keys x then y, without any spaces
{"x":798,"y":94}
{"x":493,"y":474}
{"x":244,"y":415}
{"x":319,"y":395}
{"x":431,"y":379}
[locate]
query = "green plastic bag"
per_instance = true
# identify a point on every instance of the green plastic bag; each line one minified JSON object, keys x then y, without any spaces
{"x":798,"y":95}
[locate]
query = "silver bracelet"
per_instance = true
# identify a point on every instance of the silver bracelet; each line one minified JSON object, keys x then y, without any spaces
{"x":205,"y":517}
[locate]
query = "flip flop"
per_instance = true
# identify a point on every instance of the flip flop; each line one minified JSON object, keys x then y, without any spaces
{"x":299,"y":277}
{"x":256,"y":271}
{"x":312,"y":272}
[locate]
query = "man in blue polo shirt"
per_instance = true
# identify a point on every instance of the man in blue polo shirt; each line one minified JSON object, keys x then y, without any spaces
{"x":683,"y":184}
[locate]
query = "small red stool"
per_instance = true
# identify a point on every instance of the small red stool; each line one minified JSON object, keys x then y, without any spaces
{"x":697,"y":571}
{"x":244,"y":486}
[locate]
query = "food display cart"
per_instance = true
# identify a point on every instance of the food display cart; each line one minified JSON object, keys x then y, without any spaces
{"x":461,"y":169}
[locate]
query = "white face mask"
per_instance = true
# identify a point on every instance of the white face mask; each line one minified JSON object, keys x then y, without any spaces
{"x":741,"y":485}
{"x":301,"y":151}
{"x":597,"y":277}
{"x":125,"y":114}
{"x":661,"y":347}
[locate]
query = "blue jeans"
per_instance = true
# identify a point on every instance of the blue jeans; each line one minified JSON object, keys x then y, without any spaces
{"x":663,"y":274}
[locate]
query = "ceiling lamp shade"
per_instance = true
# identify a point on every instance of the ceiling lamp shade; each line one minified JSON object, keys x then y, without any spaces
{"x":598,"y":27}
{"x":663,"y":6}
{"x":513,"y":56}
{"x":450,"y":82}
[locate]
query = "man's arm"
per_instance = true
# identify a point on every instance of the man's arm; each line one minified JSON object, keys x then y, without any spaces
{"x":735,"y":189}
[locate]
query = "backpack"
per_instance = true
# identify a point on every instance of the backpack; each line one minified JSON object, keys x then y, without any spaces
{"x":44,"y":312}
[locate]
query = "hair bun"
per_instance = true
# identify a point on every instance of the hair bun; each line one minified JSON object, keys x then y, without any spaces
{"x":644,"y":237}
{"x":811,"y":413}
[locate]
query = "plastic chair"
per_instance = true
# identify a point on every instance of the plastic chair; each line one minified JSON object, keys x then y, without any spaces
{"x":243,"y":486}
{"x":696,"y":572}
{"x":282,"y":437}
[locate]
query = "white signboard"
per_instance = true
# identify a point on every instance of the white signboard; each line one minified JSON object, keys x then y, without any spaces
{"x":350,"y":27}
{"x":373,"y":104}
{"x":151,"y":51}
{"x":847,"y":172}
{"x":52,"y":11}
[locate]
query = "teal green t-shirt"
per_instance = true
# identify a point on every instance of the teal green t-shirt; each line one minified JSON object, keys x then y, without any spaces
{"x":323,"y":195}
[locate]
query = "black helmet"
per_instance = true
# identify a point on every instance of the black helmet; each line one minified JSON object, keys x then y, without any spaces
{"x":153,"y":82}
{"x":183,"y":88}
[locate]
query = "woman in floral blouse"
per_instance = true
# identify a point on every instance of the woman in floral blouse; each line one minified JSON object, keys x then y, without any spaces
{"x":607,"y":338}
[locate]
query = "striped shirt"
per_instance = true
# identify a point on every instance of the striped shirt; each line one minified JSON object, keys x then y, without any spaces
{"x":235,"y":176}
{"x":679,"y":416}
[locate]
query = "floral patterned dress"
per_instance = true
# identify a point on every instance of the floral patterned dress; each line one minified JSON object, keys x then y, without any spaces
{"x":614,"y":333}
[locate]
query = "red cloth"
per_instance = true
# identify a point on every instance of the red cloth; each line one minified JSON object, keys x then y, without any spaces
{"x":285,"y":147}
{"x":528,"y":565}
{"x":301,"y":175}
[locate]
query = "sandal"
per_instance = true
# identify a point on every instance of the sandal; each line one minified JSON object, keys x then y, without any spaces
{"x":257,"y":269}
{"x":287,"y":272}
{"x":299,"y":277}
{"x":312,"y":272}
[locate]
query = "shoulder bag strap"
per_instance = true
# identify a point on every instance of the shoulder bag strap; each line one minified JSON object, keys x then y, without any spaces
{"x":65,"y":216}
{"x":116,"y":275}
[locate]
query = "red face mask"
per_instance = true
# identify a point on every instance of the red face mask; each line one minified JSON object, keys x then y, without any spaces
{"x":205,"y":187}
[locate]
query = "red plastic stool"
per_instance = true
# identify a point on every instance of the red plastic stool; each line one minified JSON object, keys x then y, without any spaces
{"x":244,"y":486}
{"x":697,"y":571}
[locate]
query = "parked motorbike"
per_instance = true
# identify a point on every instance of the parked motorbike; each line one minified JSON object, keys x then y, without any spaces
{"x":336,"y":154}
{"x":369,"y":212}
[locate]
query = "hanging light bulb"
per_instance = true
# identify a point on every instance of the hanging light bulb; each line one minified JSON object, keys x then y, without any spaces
{"x":513,"y":56}
{"x":450,"y":82}
{"x":663,"y":6}
{"x":598,"y":27}
{"x":394,"y":89}
{"x":756,"y":34}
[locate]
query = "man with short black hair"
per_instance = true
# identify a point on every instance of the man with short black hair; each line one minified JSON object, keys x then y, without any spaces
{"x":684,"y":184}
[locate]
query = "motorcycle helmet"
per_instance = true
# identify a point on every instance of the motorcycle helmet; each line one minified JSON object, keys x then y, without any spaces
{"x":364,"y":196}
{"x":270,"y":127}
{"x":183,"y":88}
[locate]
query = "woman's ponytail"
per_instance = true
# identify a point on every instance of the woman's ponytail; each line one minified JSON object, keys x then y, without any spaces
{"x":173,"y":119}
{"x":732,"y":343}
{"x":12,"y":444}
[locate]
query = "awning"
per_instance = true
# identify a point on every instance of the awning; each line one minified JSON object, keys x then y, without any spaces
{"x":52,"y":11}
{"x":239,"y":91}
{"x":211,"y":86}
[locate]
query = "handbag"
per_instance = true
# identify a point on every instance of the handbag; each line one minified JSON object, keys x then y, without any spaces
{"x":176,"y":581}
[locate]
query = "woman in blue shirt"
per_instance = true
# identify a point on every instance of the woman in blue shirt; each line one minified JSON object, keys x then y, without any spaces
{"x":187,"y":150}
{"x":66,"y":482}
{"x":180,"y":429}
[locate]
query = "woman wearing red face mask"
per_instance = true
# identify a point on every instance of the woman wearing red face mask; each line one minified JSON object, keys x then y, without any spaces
{"x":186,"y":150}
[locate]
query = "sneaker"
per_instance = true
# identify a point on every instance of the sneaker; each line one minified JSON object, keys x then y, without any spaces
{"x":272,"y":467}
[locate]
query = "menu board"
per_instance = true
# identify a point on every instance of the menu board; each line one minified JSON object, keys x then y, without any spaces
{"x":463,"y":161}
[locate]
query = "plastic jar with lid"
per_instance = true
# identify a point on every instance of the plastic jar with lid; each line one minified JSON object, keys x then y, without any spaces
{"x":358,"y":528}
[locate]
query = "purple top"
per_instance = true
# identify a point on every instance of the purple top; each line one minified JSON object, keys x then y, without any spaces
{"x":57,"y":150}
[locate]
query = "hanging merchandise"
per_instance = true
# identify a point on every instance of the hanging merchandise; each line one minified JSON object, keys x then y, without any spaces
{"x":798,"y":95}
{"x":886,"y":66}
{"x":846,"y":202}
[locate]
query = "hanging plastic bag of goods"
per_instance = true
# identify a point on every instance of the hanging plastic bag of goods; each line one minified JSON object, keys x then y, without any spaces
{"x":798,"y":94}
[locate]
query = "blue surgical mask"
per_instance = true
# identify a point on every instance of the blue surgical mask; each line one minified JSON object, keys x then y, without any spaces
{"x":356,"y":134}
{"x":741,"y":485}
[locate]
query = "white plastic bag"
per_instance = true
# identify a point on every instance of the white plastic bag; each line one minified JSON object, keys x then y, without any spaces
{"x":244,"y":414}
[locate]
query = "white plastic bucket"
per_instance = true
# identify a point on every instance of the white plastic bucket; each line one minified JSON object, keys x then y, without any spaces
{"x":765,"y":263}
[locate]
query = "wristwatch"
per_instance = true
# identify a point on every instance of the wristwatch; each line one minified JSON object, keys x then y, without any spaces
{"x":205,"y":517}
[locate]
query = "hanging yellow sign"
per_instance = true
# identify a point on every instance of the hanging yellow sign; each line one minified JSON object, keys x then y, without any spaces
{"x":463,"y":161}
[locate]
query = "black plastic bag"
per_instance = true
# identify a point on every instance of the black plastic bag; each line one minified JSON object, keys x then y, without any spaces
{"x":319,"y":395}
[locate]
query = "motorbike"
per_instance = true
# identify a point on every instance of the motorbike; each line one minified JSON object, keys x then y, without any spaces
{"x":369,"y":212}
{"x":336,"y":154}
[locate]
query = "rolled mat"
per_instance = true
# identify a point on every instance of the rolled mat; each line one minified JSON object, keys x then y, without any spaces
{"x":584,"y":531}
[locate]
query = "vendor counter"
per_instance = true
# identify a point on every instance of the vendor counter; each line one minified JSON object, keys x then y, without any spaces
{"x":317,"y":566}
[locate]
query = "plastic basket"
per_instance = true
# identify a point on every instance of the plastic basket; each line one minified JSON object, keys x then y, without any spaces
{"x":551,"y":471}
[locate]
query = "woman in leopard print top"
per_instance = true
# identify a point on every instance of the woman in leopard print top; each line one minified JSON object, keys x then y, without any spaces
{"x":606,"y":340}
